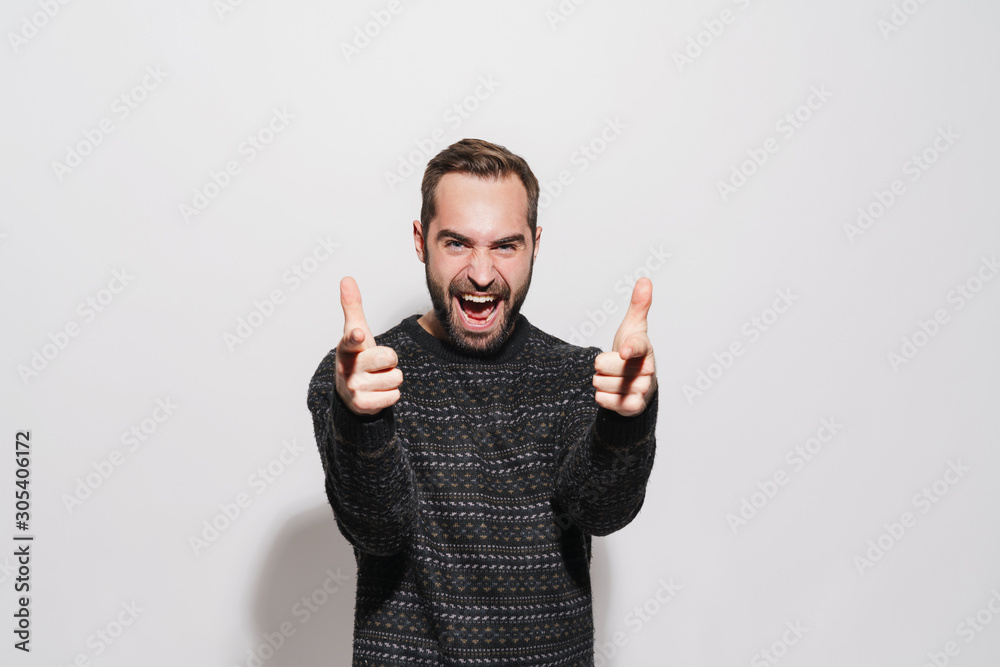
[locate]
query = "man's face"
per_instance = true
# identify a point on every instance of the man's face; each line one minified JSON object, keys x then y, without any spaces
{"x":478,"y":257}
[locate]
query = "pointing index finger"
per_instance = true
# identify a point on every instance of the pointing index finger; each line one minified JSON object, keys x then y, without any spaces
{"x":354,"y":340}
{"x":636,"y":346}
{"x":357,"y":335}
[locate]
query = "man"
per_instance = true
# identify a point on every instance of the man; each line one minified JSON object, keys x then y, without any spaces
{"x":469,"y":456}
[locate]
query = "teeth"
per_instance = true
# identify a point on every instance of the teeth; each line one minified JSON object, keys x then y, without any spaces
{"x":479,"y":299}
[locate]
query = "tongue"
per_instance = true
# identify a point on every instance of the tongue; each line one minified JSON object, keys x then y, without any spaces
{"x":479,"y":311}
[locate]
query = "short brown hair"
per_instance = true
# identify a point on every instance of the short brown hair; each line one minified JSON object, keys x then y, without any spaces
{"x":484,"y":160}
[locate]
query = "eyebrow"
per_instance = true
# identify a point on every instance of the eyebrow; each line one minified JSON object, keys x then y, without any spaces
{"x":447,"y":233}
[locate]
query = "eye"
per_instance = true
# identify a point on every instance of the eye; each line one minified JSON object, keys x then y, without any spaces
{"x":453,"y":244}
{"x":507,"y":247}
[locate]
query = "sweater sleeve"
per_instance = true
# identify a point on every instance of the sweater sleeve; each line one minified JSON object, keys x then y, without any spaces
{"x":607,"y":460}
{"x":369,"y":481}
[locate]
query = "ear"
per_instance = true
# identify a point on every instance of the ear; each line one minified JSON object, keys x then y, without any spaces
{"x":538,"y":239}
{"x":418,"y":241}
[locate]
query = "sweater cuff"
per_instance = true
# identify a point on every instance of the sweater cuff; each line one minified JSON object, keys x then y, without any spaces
{"x":370,"y":434}
{"x":619,"y":432}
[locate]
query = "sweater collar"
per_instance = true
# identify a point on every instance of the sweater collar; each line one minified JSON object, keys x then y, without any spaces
{"x":510,"y":349}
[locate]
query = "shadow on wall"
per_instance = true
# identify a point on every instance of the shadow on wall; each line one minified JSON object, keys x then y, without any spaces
{"x":600,"y":585}
{"x":303,"y":611}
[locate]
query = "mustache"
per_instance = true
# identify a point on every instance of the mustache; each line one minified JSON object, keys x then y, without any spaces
{"x":501,"y":291}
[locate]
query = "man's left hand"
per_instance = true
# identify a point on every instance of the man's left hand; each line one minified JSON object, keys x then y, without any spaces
{"x":625,"y":378}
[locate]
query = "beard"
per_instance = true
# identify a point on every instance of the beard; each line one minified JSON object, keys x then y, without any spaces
{"x":474,"y":343}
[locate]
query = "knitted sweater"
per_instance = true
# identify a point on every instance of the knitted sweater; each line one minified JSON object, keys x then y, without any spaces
{"x":471,"y":502}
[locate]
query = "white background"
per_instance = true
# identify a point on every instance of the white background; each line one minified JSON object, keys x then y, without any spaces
{"x":557,"y":79}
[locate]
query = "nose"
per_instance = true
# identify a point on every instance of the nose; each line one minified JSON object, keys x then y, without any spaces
{"x":481,"y":271}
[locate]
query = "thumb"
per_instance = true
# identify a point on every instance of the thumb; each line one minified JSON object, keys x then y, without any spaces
{"x":635,"y":317}
{"x":357,"y":335}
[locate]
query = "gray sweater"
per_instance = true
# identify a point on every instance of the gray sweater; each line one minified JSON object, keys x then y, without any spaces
{"x":471,"y":502}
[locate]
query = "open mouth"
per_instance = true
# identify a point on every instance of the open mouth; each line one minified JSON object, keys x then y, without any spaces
{"x":478,"y":310}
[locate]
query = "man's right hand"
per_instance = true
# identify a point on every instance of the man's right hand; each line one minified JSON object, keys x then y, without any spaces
{"x":367,"y":377}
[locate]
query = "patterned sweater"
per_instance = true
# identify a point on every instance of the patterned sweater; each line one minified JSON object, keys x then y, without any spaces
{"x":471,"y":502}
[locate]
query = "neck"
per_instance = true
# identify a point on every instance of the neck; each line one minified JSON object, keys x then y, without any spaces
{"x":432,"y":325}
